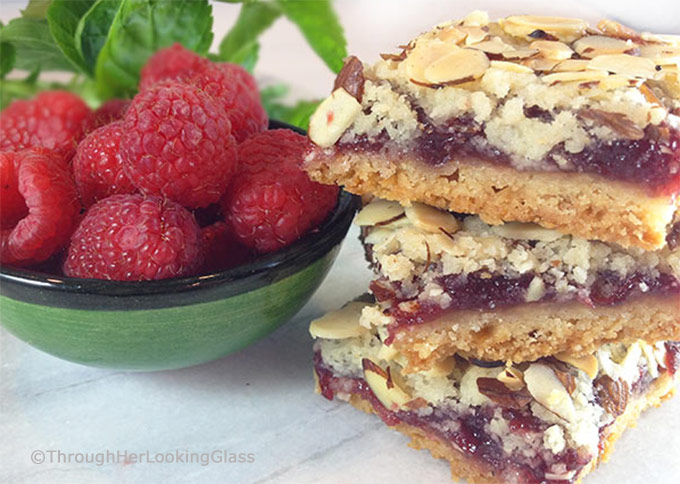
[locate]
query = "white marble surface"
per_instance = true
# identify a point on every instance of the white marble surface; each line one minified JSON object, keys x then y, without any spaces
{"x":261,"y":400}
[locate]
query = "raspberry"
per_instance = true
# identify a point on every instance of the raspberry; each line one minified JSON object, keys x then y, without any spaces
{"x":56,"y":120}
{"x":221,"y":249}
{"x":39,"y":206}
{"x":98,"y":167}
{"x":133,"y":238}
{"x":268,"y":206}
{"x":177,"y":142}
{"x":288,"y":147}
{"x":175,"y":63}
{"x":112,"y":110}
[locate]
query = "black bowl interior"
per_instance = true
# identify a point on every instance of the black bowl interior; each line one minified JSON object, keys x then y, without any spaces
{"x":62,"y":291}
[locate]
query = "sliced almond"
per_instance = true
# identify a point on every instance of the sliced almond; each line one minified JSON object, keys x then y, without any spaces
{"x":474,"y":35}
{"x":456,"y":66}
{"x":519,"y":54}
{"x":494,"y":46}
{"x":587,"y":364}
{"x":540,"y":64}
{"x":443,"y":367}
{"x":663,"y":55}
{"x":652,"y":364}
{"x":431,"y":219}
{"x":552,"y":49}
{"x":616,"y":81}
{"x":596,"y":45}
{"x":450,"y":34}
{"x":617,"y":122}
{"x":379,"y":235}
{"x":378,"y":212}
{"x":624,"y":64}
{"x":383,"y":386}
{"x":525,"y":231}
{"x":332,"y":118}
{"x":512,"y":378}
{"x":548,"y":390}
{"x":564,"y":29}
{"x":423,"y":54}
{"x":476,"y":18}
{"x":572,"y":65}
{"x":536,"y":290}
{"x":615,"y":29}
{"x":511,"y":67}
{"x":340,"y":324}
{"x":579,"y":77}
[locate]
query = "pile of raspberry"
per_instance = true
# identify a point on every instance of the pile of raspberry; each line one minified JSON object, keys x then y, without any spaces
{"x":183,"y":179}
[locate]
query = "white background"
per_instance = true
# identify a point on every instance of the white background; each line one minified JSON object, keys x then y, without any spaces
{"x":261,"y":400}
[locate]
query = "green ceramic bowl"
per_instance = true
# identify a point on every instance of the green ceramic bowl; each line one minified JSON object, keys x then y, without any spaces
{"x":171,"y":323}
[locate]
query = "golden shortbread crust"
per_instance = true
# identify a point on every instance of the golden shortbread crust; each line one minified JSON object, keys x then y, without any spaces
{"x":464,"y":467}
{"x":584,"y":205}
{"x":531,"y":331}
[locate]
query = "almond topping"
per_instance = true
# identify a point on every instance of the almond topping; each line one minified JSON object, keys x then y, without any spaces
{"x":617,"y":122}
{"x":587,"y":364}
{"x":584,"y":76}
{"x":332,"y":118}
{"x":525,"y":231}
{"x":540,"y":64}
{"x":351,"y":78}
{"x":340,"y":324}
{"x":663,"y":55}
{"x":564,"y":29}
{"x":552,"y":49}
{"x":548,"y":390}
{"x":519,"y":54}
{"x":511,"y":67}
{"x":572,"y":65}
{"x":476,"y":18}
{"x":378,"y":212}
{"x":380,"y":381}
{"x":456,"y":66}
{"x":512,"y":378}
{"x":624,"y":64}
{"x":536,"y":290}
{"x":450,"y":34}
{"x":431,"y":219}
{"x":615,"y":29}
{"x":494,"y":46}
{"x":497,"y":392}
{"x":423,"y":54}
{"x":474,"y":35}
{"x":596,"y":45}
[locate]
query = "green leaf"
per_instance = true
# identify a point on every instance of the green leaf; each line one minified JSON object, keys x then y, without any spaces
{"x":36,"y":9}
{"x":7,"y":58}
{"x":34,"y":45}
{"x":93,"y":29}
{"x":297,"y":115}
{"x":319,"y":24}
{"x":63,"y":17}
{"x":139,"y":29}
{"x":240,"y":44}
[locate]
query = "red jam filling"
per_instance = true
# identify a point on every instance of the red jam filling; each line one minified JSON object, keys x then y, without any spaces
{"x":467,"y":431}
{"x":653,"y":161}
{"x":484,"y":291}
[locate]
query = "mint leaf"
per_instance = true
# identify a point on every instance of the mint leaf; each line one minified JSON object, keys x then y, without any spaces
{"x":93,"y":30}
{"x":34,"y":45}
{"x":319,"y":24}
{"x":141,"y":27}
{"x":36,"y":9}
{"x":63,"y":17}
{"x":7,"y":58}
{"x":240,"y":44}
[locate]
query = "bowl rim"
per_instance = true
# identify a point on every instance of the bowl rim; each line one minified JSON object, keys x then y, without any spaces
{"x":15,"y":282}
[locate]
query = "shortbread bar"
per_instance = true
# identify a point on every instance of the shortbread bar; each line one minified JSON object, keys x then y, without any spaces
{"x":447,"y":283}
{"x":528,"y":119}
{"x":549,"y":421}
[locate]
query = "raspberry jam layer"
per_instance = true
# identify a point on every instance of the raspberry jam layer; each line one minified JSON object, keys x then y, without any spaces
{"x":467,"y":430}
{"x":487,"y":292}
{"x":653,"y":161}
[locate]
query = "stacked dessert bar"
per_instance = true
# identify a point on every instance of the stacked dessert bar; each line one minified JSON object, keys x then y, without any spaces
{"x":521,"y":181}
